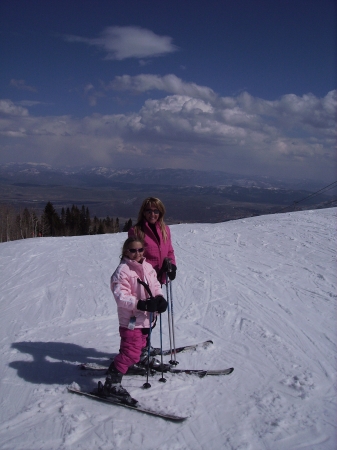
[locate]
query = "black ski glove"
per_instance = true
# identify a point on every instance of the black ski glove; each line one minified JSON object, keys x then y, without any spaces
{"x":173,"y":272}
{"x":155,"y":304}
{"x":169,"y":268}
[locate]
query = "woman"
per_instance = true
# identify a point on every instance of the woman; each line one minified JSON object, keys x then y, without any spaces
{"x":151,"y":228}
{"x":134,"y":313}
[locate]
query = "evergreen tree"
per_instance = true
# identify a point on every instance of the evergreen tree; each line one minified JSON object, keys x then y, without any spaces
{"x":67,"y":222}
{"x":88,"y":220}
{"x":107,"y":224}
{"x":50,"y":221}
{"x":95,"y":225}
{"x":71,"y":222}
{"x":127,"y":225}
{"x":75,"y":221}
{"x":84,"y":221}
{"x":100,"y":229}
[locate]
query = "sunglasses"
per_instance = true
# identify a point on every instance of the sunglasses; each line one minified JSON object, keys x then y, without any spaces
{"x":134,"y":250}
{"x":154,"y":211}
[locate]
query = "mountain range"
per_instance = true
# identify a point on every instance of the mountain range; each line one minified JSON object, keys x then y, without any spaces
{"x":189,"y":195}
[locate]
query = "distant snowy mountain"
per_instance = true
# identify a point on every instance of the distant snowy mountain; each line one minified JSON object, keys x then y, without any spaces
{"x":172,"y":177}
{"x":263,"y":289}
{"x":189,"y":195}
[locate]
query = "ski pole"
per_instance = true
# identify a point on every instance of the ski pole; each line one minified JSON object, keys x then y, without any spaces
{"x":169,"y":314}
{"x":147,"y":385}
{"x":162,"y":379}
{"x":174,"y":362}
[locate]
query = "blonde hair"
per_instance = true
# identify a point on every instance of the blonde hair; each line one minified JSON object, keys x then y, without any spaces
{"x":158,"y":204}
{"x":129,"y":241}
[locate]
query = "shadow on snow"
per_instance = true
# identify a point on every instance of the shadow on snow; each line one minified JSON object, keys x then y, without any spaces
{"x":55,"y":362}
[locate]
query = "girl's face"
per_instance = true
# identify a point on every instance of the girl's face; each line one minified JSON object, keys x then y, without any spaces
{"x":135,"y":251}
{"x":151,"y":213}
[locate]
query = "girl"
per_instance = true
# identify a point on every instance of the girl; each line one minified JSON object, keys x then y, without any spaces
{"x":133,"y":313}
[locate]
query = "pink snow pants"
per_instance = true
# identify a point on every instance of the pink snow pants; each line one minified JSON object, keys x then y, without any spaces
{"x":132,"y":342}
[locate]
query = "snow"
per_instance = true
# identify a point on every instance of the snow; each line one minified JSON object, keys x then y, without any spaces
{"x":263,"y":289}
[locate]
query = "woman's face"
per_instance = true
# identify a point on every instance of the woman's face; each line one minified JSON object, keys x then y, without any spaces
{"x":151,"y":213}
{"x":135,"y":251}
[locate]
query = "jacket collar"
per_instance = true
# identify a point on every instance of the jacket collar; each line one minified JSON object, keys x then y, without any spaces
{"x":150,"y":229}
{"x":136,"y":266}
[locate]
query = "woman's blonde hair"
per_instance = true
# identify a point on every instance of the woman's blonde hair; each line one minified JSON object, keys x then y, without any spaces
{"x":129,"y":241}
{"x":156,"y":203}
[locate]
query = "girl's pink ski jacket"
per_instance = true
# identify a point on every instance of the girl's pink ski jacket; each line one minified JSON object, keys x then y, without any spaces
{"x":127,"y":291}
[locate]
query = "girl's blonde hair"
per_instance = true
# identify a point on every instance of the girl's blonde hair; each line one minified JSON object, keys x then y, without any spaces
{"x":156,"y":203}
{"x":129,"y":241}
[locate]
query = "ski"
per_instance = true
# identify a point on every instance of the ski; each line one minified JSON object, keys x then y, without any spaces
{"x":185,"y":348}
{"x":142,"y":409}
{"x":93,"y":367}
{"x":167,"y":369}
{"x":154,"y":352}
{"x":201,"y":372}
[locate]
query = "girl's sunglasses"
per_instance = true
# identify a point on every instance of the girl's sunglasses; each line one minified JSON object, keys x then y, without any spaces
{"x":134,"y":250}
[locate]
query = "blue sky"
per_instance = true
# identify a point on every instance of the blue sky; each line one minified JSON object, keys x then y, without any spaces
{"x":241,"y":86}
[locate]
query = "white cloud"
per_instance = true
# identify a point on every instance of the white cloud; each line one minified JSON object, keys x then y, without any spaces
{"x":128,"y":42}
{"x":29,"y":103}
{"x":290,"y":136}
{"x":168,"y":83}
{"x":92,"y":94}
{"x":19,"y":133}
{"x":7,"y":107}
{"x":292,"y":110}
{"x":21,"y":84}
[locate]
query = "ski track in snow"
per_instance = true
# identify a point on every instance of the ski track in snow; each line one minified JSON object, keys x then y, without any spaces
{"x":263,"y":289}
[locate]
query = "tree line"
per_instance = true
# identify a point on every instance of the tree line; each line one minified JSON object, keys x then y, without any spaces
{"x":72,"y":221}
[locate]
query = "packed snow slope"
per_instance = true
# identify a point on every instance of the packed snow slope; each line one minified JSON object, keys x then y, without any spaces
{"x":263,"y":289}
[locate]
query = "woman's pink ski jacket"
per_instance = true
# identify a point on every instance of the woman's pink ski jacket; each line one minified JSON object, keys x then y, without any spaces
{"x":156,"y":251}
{"x":127,"y":291}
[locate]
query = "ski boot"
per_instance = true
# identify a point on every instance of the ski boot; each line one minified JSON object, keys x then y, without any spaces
{"x":137,"y":369}
{"x":113,"y":389}
{"x":155,"y":364}
{"x":154,"y":351}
